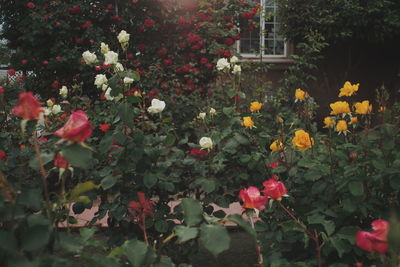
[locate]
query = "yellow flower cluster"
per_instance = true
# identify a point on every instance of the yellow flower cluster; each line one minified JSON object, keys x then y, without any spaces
{"x":329,"y":122}
{"x":276,"y":146}
{"x":348,"y":89}
{"x":302,"y":140}
{"x":363,"y":108}
{"x":248,"y":122}
{"x":340,"y":107}
{"x":300,"y":95}
{"x":255,"y":106}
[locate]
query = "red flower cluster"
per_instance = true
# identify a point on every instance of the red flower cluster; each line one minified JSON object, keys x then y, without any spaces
{"x":74,"y":10}
{"x":375,"y":241}
{"x":273,"y":165}
{"x":104,"y":127}
{"x":28,"y":107}
{"x":252,"y":198}
{"x":149,"y":23}
{"x":30,"y":5}
{"x":198,"y":153}
{"x":3,"y":155}
{"x":141,"y":207}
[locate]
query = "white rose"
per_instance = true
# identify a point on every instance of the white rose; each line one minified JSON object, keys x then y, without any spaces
{"x":110,"y":58}
{"x":234,"y":59}
{"x":104,"y":49}
{"x":89,"y":57}
{"x":202,"y":115}
{"x":157,"y":106}
{"x":104,"y":87}
{"x":206,"y":143}
{"x":49,"y":103}
{"x":123,"y":37}
{"x":56,"y":109}
{"x":236,"y":69}
{"x":223,"y":64}
{"x":118,"y":97}
{"x":213,"y":111}
{"x":100,"y":80}
{"x":119,"y":67}
{"x":64,"y":91}
{"x":128,"y":80}
{"x":107,"y":94}
{"x":47,"y":111}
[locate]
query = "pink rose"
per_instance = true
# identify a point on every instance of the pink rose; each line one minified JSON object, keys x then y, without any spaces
{"x":77,"y":128}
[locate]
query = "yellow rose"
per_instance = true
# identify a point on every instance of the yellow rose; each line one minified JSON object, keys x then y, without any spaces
{"x":341,"y":126}
{"x":255,"y":106}
{"x":348,"y":89}
{"x":354,"y":120}
{"x":248,"y":122}
{"x":302,"y":140}
{"x":340,"y":107}
{"x":363,"y":107}
{"x":277,"y":146}
{"x":329,"y":122}
{"x":382,"y":109}
{"x":300,"y":95}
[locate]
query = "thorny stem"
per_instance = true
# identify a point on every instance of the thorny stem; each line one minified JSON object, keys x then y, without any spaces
{"x":43,"y":174}
{"x":314,"y":236}
{"x":258,"y":247}
{"x":144,"y":229}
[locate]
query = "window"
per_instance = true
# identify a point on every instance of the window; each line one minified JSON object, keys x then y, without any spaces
{"x":264,"y":41}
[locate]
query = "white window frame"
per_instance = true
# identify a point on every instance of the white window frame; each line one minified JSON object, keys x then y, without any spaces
{"x":261,"y":55}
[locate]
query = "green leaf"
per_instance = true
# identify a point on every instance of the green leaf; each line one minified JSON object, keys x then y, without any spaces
{"x":150,"y":179}
{"x":45,"y":157}
{"x":320,"y":219}
{"x":138,"y":253}
{"x":69,"y":242}
{"x":127,"y":113}
{"x":340,"y":245}
{"x":109,"y":181}
{"x":8,"y":242}
{"x":170,"y":140}
{"x":164,"y":262}
{"x":193,"y":211}
{"x":113,"y":82}
{"x":236,"y":218}
{"x":134,"y":99}
{"x":31,"y":198}
{"x":131,"y":74}
{"x":161,"y":226}
{"x":35,"y":238}
{"x":215,"y":238}
{"x":185,"y":233}
{"x":82,"y":188}
{"x":356,"y":188}
{"x":78,"y":156}
{"x":87,"y":233}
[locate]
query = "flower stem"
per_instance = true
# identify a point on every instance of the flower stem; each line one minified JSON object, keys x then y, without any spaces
{"x":43,"y":175}
{"x":258,"y":247}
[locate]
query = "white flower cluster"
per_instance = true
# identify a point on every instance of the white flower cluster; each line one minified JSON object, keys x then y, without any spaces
{"x":224,"y":65}
{"x":51,"y":108}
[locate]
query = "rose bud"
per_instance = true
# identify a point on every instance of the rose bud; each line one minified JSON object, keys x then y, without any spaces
{"x":273,"y":189}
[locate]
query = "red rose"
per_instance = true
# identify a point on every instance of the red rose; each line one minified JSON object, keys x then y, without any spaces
{"x":77,"y":128}
{"x":135,"y":1}
{"x":130,"y":56}
{"x":117,"y":18}
{"x":60,"y":162}
{"x":97,"y":68}
{"x":110,"y":6}
{"x":229,"y":41}
{"x":162,"y":51}
{"x":55,"y":84}
{"x":248,"y":15}
{"x":203,"y":60}
{"x":24,"y":61}
{"x":104,"y":127}
{"x":58,"y":58}
{"x":1,"y":90}
{"x":74,"y":10}
{"x":375,"y":241}
{"x":28,"y":107}
{"x":198,"y":153}
{"x":149,"y":23}
{"x":252,"y":198}
{"x":11,"y":72}
{"x":193,"y":38}
{"x":30,"y":5}
{"x":3,"y":155}
{"x":45,"y":62}
{"x":273,"y":165}
{"x":141,"y":47}
{"x":273,"y":189}
{"x":86,"y":24}
{"x":227,"y":53}
{"x":141,"y":207}
{"x":167,"y":62}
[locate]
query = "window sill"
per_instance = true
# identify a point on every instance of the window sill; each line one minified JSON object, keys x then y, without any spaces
{"x":277,"y":60}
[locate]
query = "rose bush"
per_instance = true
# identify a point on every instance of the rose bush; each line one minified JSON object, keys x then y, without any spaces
{"x":144,"y":129}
